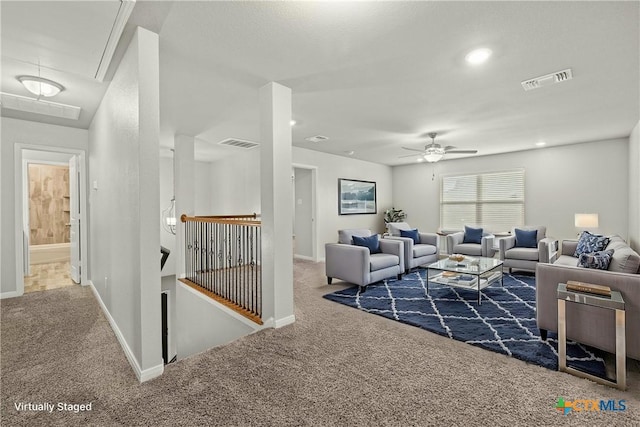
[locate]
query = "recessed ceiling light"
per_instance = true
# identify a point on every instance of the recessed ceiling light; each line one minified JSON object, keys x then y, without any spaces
{"x":478,"y":56}
{"x":350,"y":153}
{"x":541,"y":144}
{"x":292,"y":122}
{"x":39,"y":86}
{"x":419,"y":160}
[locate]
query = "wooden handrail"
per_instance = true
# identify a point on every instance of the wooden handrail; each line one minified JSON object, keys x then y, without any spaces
{"x":253,"y":215}
{"x":227,"y":219}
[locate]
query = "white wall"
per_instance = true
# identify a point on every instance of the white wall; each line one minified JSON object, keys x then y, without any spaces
{"x":31,"y":133}
{"x":559,"y":182}
{"x":303,"y":212}
{"x":330,"y":168}
{"x":634,"y":188}
{"x":124,"y":163}
{"x":235,"y":184}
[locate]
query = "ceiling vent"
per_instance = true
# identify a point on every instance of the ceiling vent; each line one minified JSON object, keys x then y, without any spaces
{"x":317,"y":138}
{"x":547,"y":80}
{"x":238,"y":143}
{"x":39,"y":106}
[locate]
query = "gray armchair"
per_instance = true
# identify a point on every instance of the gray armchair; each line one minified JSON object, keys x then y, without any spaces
{"x":415,"y":254}
{"x":526,"y":258}
{"x":355,"y":264}
{"x":456,"y":245}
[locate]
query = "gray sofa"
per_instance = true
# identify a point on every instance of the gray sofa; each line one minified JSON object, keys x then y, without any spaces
{"x":585,"y":324}
{"x":526,"y":258}
{"x":355,"y":264}
{"x":415,"y":254}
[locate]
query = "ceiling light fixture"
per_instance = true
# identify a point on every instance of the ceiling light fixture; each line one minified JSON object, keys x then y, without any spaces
{"x":292,"y":122}
{"x":41,"y":87}
{"x":433,"y":154}
{"x":541,"y":144}
{"x":478,"y":56}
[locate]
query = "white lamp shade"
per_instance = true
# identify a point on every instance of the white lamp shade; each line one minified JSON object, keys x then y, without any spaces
{"x":586,"y":220}
{"x":433,"y":154}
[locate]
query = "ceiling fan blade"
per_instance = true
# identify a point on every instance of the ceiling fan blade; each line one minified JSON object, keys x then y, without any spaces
{"x":408,"y":155}
{"x":462,"y":151}
{"x":413,"y":149}
{"x":449,"y":147}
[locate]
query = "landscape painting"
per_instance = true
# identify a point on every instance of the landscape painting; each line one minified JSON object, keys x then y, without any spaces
{"x":356,"y":197}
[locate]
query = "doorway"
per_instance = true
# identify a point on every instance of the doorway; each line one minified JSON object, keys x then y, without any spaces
{"x":304,"y":212}
{"x":50,"y":231}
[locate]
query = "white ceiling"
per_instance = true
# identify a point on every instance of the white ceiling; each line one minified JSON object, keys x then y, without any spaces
{"x":376,"y":76}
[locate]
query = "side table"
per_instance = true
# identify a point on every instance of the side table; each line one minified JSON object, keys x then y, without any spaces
{"x":614,"y":302}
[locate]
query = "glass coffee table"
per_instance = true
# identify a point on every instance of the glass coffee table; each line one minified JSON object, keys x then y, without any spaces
{"x":471,"y":273}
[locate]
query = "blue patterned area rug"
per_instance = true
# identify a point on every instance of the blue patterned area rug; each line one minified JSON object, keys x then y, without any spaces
{"x":505,"y":322}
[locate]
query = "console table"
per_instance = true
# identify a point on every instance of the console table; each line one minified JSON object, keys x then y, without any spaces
{"x":614,"y":302}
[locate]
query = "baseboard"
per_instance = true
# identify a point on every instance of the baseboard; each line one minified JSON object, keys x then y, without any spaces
{"x":279,"y":323}
{"x":303,"y":257}
{"x":11,"y":294}
{"x":142,"y":375}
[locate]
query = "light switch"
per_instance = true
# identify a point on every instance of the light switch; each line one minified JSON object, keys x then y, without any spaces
{"x":95,"y":185}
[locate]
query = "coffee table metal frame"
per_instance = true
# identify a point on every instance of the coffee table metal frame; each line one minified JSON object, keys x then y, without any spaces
{"x":480,"y":267}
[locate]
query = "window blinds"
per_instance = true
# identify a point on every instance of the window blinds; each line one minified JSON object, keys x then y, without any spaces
{"x":493,"y":201}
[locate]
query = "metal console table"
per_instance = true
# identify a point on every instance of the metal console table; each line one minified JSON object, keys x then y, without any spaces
{"x":614,"y":302}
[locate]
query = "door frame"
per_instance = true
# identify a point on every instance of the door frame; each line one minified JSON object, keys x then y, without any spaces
{"x":314,"y":208}
{"x":19,"y":211}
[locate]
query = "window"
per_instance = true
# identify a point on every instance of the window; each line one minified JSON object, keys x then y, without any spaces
{"x":493,"y":201}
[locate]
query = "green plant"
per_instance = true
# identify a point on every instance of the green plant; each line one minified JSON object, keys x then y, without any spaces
{"x":394,"y":215}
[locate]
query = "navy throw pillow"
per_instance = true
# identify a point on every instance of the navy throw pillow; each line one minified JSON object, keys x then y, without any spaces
{"x":526,"y":238}
{"x":370,"y":242}
{"x":590,"y":243}
{"x":472,"y":235}
{"x":599,"y":260}
{"x":411,"y":233}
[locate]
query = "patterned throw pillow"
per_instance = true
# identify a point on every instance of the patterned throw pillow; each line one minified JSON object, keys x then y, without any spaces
{"x":590,"y":243}
{"x":599,"y":260}
{"x":413,"y":234}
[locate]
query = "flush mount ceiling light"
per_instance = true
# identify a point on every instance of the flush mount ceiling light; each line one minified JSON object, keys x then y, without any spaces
{"x":541,"y":144}
{"x":40,"y":87}
{"x":478,"y":56}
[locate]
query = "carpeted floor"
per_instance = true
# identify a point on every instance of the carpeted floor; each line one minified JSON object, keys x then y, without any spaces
{"x":334,"y":366}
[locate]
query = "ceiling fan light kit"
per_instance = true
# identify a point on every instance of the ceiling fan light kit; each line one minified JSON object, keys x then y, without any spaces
{"x":41,"y":87}
{"x":435,"y":152}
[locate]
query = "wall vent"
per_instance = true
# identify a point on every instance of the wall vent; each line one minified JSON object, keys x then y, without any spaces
{"x":317,"y":138}
{"x":39,"y":106}
{"x":239,"y":143}
{"x":549,"y":79}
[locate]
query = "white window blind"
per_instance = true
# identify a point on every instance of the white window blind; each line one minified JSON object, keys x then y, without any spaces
{"x":493,"y":201}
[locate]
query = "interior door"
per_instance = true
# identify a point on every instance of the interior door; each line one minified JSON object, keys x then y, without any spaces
{"x":74,"y":216}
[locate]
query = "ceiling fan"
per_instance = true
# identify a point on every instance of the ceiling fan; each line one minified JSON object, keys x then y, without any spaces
{"x":434,"y":152}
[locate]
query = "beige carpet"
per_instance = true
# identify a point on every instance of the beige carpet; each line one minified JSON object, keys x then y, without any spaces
{"x":334,"y":366}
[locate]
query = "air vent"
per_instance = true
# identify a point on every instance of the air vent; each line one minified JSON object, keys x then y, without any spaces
{"x":547,"y":80}
{"x":32,"y":105}
{"x":317,"y":138}
{"x":239,"y":143}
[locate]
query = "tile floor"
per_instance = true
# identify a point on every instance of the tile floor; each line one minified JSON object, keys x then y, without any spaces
{"x":48,"y":276}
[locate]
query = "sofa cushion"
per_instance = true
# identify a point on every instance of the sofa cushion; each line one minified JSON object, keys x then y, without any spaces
{"x":566,"y":260}
{"x":346,"y":236}
{"x":625,"y":260}
{"x":589,"y":243}
{"x":370,"y":242}
{"x":472,"y":235}
{"x":382,"y":260}
{"x":528,"y":254}
{"x":395,"y":227}
{"x":423,"y":250}
{"x":599,"y":260}
{"x":413,"y":234}
{"x":526,"y":238}
{"x":468,"y":249}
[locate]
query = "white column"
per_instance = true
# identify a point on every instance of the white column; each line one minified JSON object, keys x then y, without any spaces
{"x":276,"y":202}
{"x":184,"y":177}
